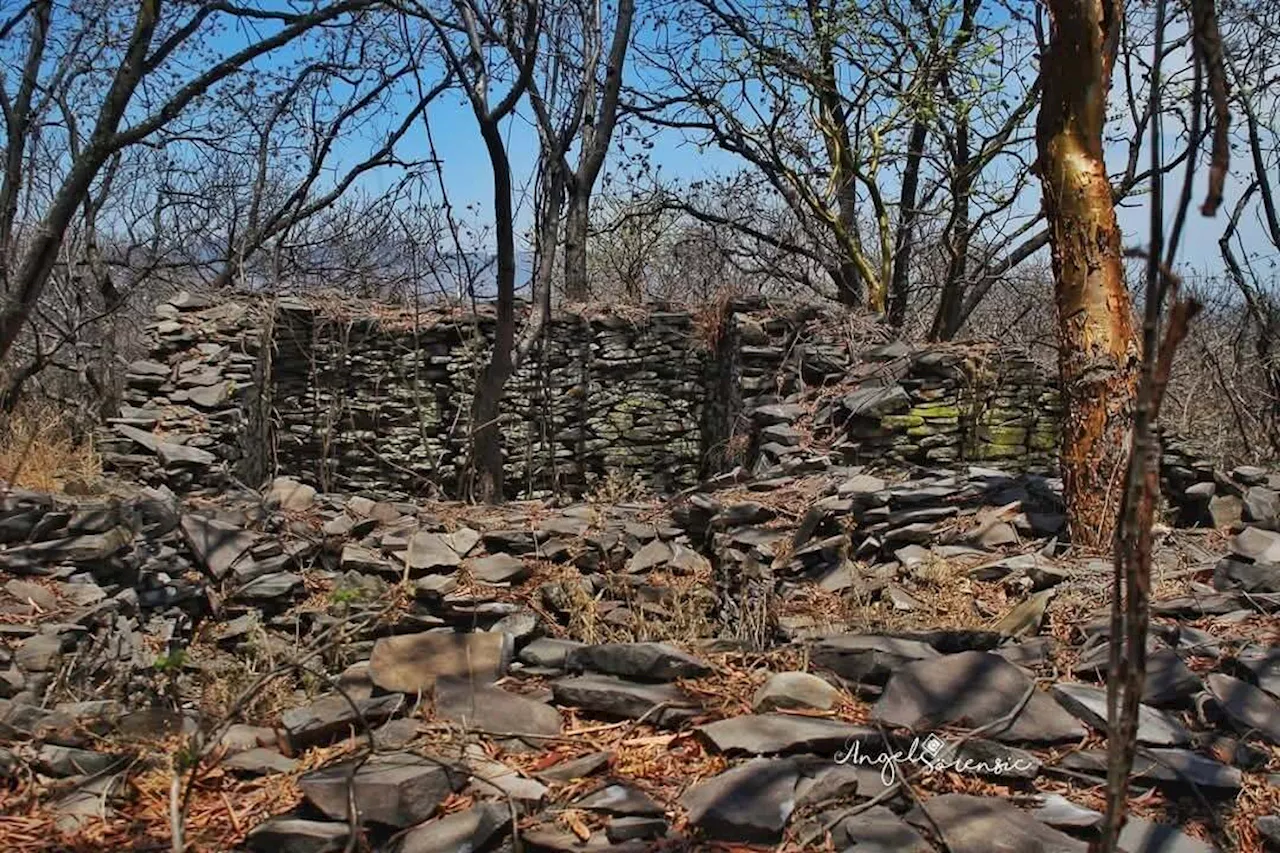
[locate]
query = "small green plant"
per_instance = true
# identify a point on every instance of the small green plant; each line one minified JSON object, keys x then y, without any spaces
{"x":171,"y":662}
{"x":186,"y":756}
{"x":346,"y":595}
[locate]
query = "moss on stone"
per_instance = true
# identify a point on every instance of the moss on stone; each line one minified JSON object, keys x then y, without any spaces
{"x":1043,"y":440}
{"x":936,"y":411}
{"x":986,"y":450}
{"x":1005,"y":435}
{"x":897,"y":422}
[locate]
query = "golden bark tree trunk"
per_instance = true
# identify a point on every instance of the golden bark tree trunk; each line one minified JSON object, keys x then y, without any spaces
{"x":1098,"y":349}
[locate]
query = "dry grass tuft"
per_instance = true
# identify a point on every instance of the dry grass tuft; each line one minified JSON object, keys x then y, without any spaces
{"x":40,"y":450}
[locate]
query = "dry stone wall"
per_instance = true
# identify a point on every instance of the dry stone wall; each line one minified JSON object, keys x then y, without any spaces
{"x":375,"y":399}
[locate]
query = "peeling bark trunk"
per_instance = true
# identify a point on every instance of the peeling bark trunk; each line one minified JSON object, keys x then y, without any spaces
{"x":1098,"y":350}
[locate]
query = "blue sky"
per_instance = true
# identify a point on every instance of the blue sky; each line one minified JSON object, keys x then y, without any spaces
{"x":468,"y":178}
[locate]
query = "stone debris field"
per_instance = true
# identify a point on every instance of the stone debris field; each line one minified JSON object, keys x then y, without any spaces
{"x":807,"y":652}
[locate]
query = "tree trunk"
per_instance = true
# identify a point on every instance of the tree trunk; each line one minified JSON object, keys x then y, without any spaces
{"x":948,"y":319}
{"x":1098,"y":350}
{"x":486,"y":432}
{"x":900,"y":287}
{"x":848,"y":284}
{"x":576,"y":288}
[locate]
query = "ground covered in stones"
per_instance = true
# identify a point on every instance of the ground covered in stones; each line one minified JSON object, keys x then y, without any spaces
{"x":730,"y":669}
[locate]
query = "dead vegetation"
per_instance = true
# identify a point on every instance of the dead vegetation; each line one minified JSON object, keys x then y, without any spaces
{"x":41,"y":450}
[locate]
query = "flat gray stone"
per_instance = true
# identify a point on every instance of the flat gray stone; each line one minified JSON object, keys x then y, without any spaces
{"x":495,"y":778}
{"x":294,"y":835}
{"x":492,"y":709}
{"x":218,"y":546}
{"x":1249,"y":475}
{"x":795,"y":690}
{"x":749,"y":803}
{"x":622,"y":829}
{"x":68,"y":761}
{"x":355,"y":558}
{"x":974,"y":689}
{"x":332,"y":716}
{"x":1155,"y":728}
{"x":615,"y":697}
{"x":1261,"y":506}
{"x":411,"y":663}
{"x":978,"y":824}
{"x":143,"y":367}
{"x":498,"y":568}
{"x":462,"y":541}
{"x":1166,"y":767}
{"x":270,"y":587}
{"x":868,"y":658}
{"x":620,"y":799}
{"x":878,"y":830}
{"x":1251,"y":577}
{"x":777,"y":413}
{"x":1057,"y":811}
{"x":1225,"y":511}
{"x":89,"y":548}
{"x":396,"y":790}
{"x":260,"y":762}
{"x":744,"y":512}
{"x":434,"y":587}
{"x":549,"y":652}
{"x":148,"y":440}
{"x":211,"y":396}
{"x":654,"y":553}
{"x":876,"y":401}
{"x":430,"y":552}
{"x":1251,"y":710}
{"x":770,"y":734}
{"x":1256,"y":544}
{"x":459,"y":832}
{"x":173,"y":455}
{"x":647,"y":661}
{"x":1268,"y":827}
{"x":1264,"y":664}
{"x":41,"y":653}
{"x":1141,"y":836}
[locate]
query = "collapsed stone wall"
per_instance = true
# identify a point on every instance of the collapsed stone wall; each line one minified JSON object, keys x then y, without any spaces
{"x":949,"y":404}
{"x":372,"y":399}
{"x":368,"y":405}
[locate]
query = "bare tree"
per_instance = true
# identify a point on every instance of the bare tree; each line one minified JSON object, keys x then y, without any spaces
{"x":485,"y":43}
{"x":862,"y":123}
{"x":159,"y":63}
{"x":299,"y":137}
{"x":1250,"y":32}
{"x":599,"y":116}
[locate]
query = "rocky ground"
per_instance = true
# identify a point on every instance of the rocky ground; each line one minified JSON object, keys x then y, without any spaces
{"x":757,"y":664}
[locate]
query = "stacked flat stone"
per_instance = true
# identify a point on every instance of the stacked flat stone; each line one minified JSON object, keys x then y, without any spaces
{"x":377,"y":400}
{"x":187,"y":413}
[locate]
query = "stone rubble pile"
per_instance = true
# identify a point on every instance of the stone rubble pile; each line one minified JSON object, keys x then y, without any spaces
{"x":466,"y":646}
{"x":187,"y":417}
